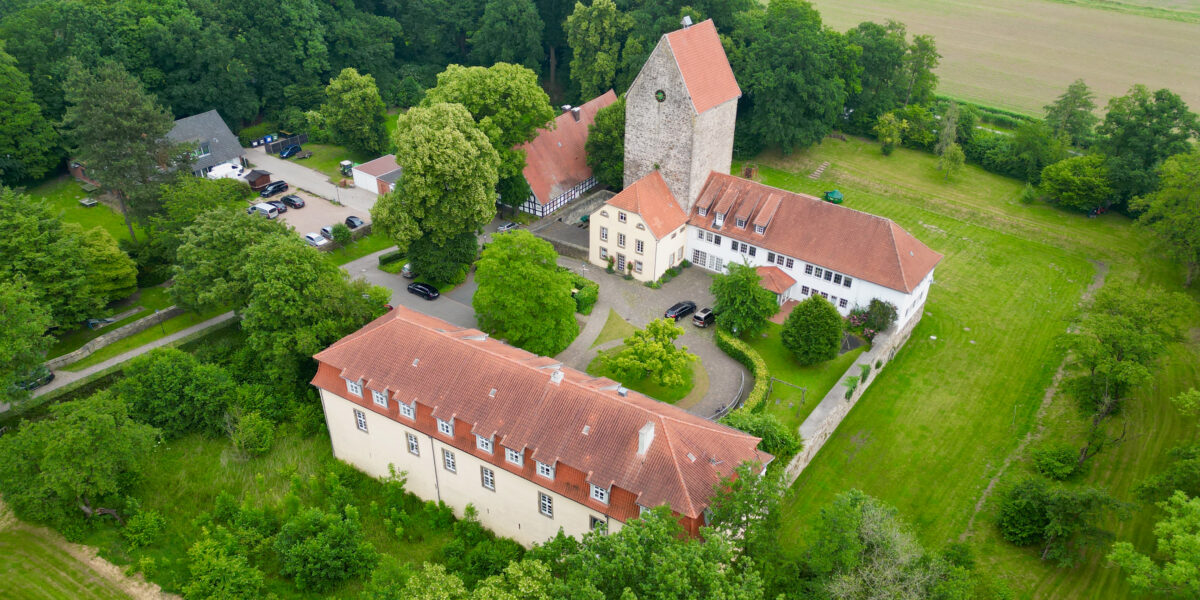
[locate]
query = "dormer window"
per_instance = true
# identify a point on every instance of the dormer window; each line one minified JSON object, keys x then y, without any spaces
{"x":483,"y":443}
{"x":204,"y":150}
{"x":446,"y":428}
{"x":703,"y":211}
{"x":354,"y":387}
{"x":720,"y":218}
{"x":759,"y":229}
{"x":599,"y":494}
{"x":408,"y":411}
{"x":741,"y":223}
{"x":514,"y":457}
{"x":545,"y":470}
{"x":379,"y":397}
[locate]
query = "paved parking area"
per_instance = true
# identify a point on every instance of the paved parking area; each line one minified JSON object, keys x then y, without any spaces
{"x":317,"y":213}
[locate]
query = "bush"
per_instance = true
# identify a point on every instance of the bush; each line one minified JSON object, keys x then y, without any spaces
{"x":776,"y":437}
{"x":218,"y":573}
{"x":1023,"y":517}
{"x":320,"y":550}
{"x":248,"y":134}
{"x":143,"y":529}
{"x":813,"y":332}
{"x":342,"y":235}
{"x":865,"y":371}
{"x":750,"y":358}
{"x":1029,"y":194}
{"x":851,"y":385}
{"x":253,"y":434}
{"x":588,"y":294}
{"x":388,"y":258}
{"x":1056,"y":462}
{"x":169,"y":389}
{"x":880,"y":315}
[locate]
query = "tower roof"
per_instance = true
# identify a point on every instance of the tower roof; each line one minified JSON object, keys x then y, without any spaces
{"x":705,"y":68}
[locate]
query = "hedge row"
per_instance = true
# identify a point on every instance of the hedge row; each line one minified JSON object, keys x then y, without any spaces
{"x":743,"y":353}
{"x":388,"y":258}
{"x":589,"y":292}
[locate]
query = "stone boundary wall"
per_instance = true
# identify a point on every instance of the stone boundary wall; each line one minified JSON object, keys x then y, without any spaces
{"x":825,"y":418}
{"x":117,"y":334}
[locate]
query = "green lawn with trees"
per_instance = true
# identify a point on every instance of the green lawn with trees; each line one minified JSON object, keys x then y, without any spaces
{"x":786,"y":402}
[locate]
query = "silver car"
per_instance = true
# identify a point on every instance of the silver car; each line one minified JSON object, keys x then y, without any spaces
{"x":315,"y":240}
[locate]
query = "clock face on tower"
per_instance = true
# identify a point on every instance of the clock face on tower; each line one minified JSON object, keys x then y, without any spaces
{"x":660,"y":95}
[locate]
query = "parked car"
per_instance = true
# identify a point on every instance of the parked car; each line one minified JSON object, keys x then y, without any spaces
{"x":704,"y":317}
{"x":273,"y":188}
{"x":327,"y":231}
{"x":680,"y":310}
{"x":406,"y":271}
{"x":35,"y":379}
{"x":289,"y":152}
{"x":509,"y":226}
{"x":293,"y":201}
{"x":280,"y":206}
{"x":315,"y":240}
{"x":263,"y":209}
{"x":354,"y":222}
{"x":423,"y":290}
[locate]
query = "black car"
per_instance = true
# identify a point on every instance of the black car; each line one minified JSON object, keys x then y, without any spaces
{"x":289,"y":152}
{"x":280,"y":206}
{"x":680,"y":310}
{"x":354,"y":222}
{"x":273,"y":188}
{"x":36,"y":379}
{"x":293,"y":201}
{"x":423,"y":290}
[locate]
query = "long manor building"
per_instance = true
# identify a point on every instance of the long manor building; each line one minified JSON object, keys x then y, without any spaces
{"x":534,"y":445}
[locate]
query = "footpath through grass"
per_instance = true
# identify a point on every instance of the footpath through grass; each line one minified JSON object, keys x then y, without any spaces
{"x":119,"y":347}
{"x":941,"y":419}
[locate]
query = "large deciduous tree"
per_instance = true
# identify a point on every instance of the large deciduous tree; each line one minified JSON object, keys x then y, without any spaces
{"x":119,"y":132}
{"x":510,"y":32}
{"x":1172,"y":212}
{"x":1072,"y":116}
{"x":112,"y":274}
{"x":210,"y":257}
{"x":24,"y":322}
{"x":28,"y":142}
{"x":1176,"y":573}
{"x":813,"y":332}
{"x":596,"y":34}
{"x":651,"y":352}
{"x":183,"y":202}
{"x":446,"y":262}
{"x":169,"y":389}
{"x":745,"y":507}
{"x":450,"y":175}
{"x":86,"y":455}
{"x":884,"y":72}
{"x":1140,"y":130}
{"x":523,"y":296}
{"x":795,"y":73}
{"x":354,"y":112}
{"x":1079,"y":183}
{"x":1061,"y":520}
{"x":606,"y":145}
{"x":742,"y":305}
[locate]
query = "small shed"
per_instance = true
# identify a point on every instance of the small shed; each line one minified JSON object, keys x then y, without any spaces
{"x":367,"y":175}
{"x":258,"y":179}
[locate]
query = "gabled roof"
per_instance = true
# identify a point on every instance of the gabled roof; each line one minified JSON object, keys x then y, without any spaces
{"x":650,"y":198}
{"x":705,"y":68}
{"x":209,"y":127}
{"x":858,"y":244}
{"x":774,"y":279}
{"x":555,"y":160}
{"x":380,"y":166}
{"x":513,"y":394}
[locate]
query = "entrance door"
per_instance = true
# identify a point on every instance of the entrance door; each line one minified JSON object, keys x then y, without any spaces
{"x":620,"y":263}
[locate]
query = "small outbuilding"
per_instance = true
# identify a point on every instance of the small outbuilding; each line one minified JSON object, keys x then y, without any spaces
{"x":378,"y":176}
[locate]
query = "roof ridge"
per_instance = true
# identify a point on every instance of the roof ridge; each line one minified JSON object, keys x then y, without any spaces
{"x":899,"y":259}
{"x":678,"y":471}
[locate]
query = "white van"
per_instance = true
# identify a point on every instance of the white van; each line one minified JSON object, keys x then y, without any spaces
{"x":264,"y":209}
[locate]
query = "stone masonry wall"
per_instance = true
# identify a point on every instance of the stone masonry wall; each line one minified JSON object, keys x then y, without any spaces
{"x":112,"y":336}
{"x":660,"y":133}
{"x":825,"y":418}
{"x":712,"y":147}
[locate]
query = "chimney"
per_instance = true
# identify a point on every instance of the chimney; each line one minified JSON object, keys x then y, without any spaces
{"x":686,"y":22}
{"x":622,"y":391}
{"x":645,"y":436}
{"x":556,"y":376}
{"x":566,"y":108}
{"x":575,"y":113}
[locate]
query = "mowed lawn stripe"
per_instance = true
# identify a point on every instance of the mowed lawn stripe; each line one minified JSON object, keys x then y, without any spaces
{"x":32,"y":568}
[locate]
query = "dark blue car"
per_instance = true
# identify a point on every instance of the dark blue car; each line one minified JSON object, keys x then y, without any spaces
{"x":289,"y":152}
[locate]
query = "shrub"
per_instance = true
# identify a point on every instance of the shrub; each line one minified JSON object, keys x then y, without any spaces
{"x":320,"y":550}
{"x":1029,"y":194}
{"x":253,"y":434}
{"x":878,"y":365}
{"x":586,"y":297}
{"x":342,"y":235}
{"x":388,"y":258}
{"x":685,"y":263}
{"x":1056,"y":462}
{"x":776,"y":437}
{"x":750,"y":358}
{"x":813,"y":332}
{"x":169,"y":389}
{"x":1023,"y":516}
{"x":143,"y":529}
{"x":865,"y":371}
{"x":248,"y":134}
{"x":219,"y":573}
{"x":880,"y":315}
{"x":851,"y":385}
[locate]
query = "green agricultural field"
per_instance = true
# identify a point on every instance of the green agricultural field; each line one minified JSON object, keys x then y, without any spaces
{"x":1020,"y":54}
{"x":33,"y":568}
{"x":941,"y":420}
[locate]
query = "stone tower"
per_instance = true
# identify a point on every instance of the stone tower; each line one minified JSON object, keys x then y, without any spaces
{"x":680,"y":112}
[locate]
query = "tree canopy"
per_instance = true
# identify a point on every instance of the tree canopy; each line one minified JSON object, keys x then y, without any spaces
{"x":606,"y":145}
{"x":742,"y":305}
{"x":813,"y":332}
{"x":24,"y":322}
{"x":29,"y":146}
{"x":1079,"y":183}
{"x":510,"y":32}
{"x":171,"y":390}
{"x":1172,"y":212}
{"x":651,"y":352}
{"x":355,"y":114}
{"x":596,"y":34}
{"x":1178,"y":544}
{"x":523,"y":296}
{"x":1072,"y":114}
{"x":1140,"y":130}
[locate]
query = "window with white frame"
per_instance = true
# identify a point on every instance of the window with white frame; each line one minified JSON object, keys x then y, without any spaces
{"x":759,"y":229}
{"x":448,"y":461}
{"x":637,"y":266}
{"x":639,"y":246}
{"x":790,"y":263}
{"x":603,"y":253}
{"x":828,"y":275}
{"x":596,"y":523}
{"x":446,"y":428}
{"x":804,"y":290}
{"x":354,"y":387}
{"x":604,"y":234}
{"x":808,"y":269}
{"x":620,"y":240}
{"x":846,"y":281}
{"x":818,"y":272}
{"x":483,"y":443}
{"x":205,"y":149}
{"x":837,"y":279}
{"x":360,"y":419}
{"x":621,"y":216}
{"x":546,"y":505}
{"x":488,"y":478}
{"x":379,"y":397}
{"x":514,"y":457}
{"x":642,"y":510}
{"x":842,"y":303}
{"x":700,"y":233}
{"x":741,"y":223}
{"x":414,"y":446}
{"x":770,"y":257}
{"x":408,"y":411}
{"x":545,"y":470}
{"x":719,"y":219}
{"x":599,"y":494}
{"x":703,"y":211}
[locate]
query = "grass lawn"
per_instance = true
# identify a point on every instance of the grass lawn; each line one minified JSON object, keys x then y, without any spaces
{"x":327,"y":159}
{"x":63,"y":194}
{"x":786,"y":402}
{"x":188,"y":474}
{"x":615,"y":328}
{"x":150,"y":299}
{"x":670,"y":395}
{"x":941,"y":419}
{"x":361,"y":247}
{"x":142,"y":338}
{"x":33,"y":568}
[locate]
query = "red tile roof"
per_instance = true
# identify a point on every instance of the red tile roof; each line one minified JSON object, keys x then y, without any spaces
{"x":835,"y":237}
{"x":580,"y":421}
{"x":774,"y":279}
{"x":555,"y":161}
{"x":652,"y":199}
{"x":380,"y":166}
{"x":705,"y":68}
